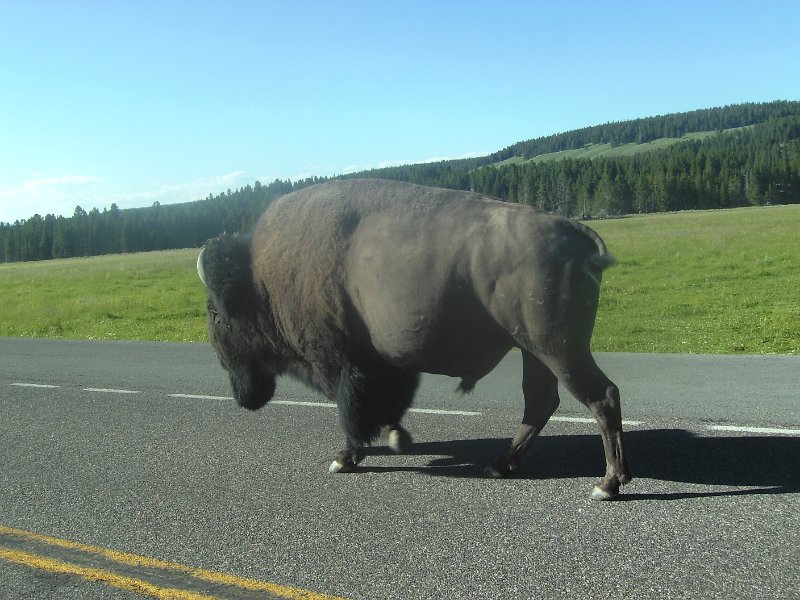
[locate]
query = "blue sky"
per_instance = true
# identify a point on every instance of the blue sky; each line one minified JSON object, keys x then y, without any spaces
{"x":135,"y":102}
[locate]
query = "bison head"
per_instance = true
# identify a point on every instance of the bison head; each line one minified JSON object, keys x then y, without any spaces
{"x":233,"y":320}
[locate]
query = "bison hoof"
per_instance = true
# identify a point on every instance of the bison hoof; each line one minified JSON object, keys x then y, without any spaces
{"x":501,"y":469}
{"x":398,"y":440}
{"x":346,"y":461}
{"x":602,"y":495}
{"x":337,"y":467}
{"x":498,"y":471}
{"x":494,"y":473}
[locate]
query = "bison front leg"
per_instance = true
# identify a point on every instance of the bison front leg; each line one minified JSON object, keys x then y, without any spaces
{"x":540,"y":389}
{"x":370,"y":402}
{"x":347,"y":460}
{"x":395,"y":436}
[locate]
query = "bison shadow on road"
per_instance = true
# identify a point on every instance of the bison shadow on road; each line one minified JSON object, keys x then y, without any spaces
{"x":766,"y":465}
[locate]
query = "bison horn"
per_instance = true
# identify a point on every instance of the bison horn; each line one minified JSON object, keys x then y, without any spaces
{"x":200,"y":270}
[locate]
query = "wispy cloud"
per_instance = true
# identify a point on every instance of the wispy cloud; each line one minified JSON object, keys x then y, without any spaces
{"x":59,"y":195}
{"x":43,"y":183}
{"x":197,"y":189}
{"x":41,"y":195}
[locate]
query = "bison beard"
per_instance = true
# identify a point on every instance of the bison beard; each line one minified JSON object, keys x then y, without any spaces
{"x":356,"y":287}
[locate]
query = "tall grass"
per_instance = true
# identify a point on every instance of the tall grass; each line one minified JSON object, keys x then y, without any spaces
{"x":699,"y":282}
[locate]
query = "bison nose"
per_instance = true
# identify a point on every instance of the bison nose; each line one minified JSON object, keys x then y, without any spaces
{"x":200,"y":270}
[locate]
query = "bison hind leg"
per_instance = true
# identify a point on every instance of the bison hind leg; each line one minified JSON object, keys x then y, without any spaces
{"x":397,"y":438}
{"x":540,"y":390}
{"x":584,"y":379}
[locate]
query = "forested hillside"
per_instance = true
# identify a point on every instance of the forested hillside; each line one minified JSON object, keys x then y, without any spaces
{"x":750,"y":155}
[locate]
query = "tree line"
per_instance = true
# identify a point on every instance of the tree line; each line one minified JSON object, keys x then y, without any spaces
{"x":642,"y":131}
{"x":745,"y":165}
{"x":753,"y":160}
{"x":157,"y":227}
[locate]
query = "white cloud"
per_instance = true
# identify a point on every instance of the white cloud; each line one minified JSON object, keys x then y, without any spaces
{"x":58,"y":183}
{"x":188,"y":191}
{"x":60,"y":195}
{"x":46,"y":195}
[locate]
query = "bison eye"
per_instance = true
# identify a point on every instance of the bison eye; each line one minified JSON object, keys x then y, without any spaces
{"x":218,"y":319}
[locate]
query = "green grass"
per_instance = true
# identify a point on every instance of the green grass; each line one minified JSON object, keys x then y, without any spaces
{"x":148,"y":296}
{"x":698,"y":282}
{"x":702,"y":282}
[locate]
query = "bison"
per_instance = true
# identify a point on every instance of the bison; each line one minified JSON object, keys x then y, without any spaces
{"x":356,"y":287}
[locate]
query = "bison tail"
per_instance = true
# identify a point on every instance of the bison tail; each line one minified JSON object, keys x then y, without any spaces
{"x":599,"y":258}
{"x":597,"y":263}
{"x":602,"y":260}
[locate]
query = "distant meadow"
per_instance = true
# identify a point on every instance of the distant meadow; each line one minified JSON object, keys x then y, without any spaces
{"x":715,"y":282}
{"x":712,"y":282}
{"x":147,"y":296}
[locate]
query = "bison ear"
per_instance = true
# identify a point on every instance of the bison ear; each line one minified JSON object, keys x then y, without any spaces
{"x":225,"y":265}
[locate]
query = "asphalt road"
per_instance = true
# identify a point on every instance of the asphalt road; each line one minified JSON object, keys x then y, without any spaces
{"x":137,"y":449}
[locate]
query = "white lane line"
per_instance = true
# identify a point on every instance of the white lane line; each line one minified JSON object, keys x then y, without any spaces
{"x":433,"y":411}
{"x":589,"y":420}
{"x":430,"y":411}
{"x":572,"y":419}
{"x":35,"y":385}
{"x":766,"y":430}
{"x":437,"y":411}
{"x":427,"y":411}
{"x":199,"y":397}
{"x":303,"y":403}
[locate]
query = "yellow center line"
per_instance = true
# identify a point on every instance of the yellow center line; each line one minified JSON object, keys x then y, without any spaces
{"x":126,"y":558}
{"x":130,"y":584}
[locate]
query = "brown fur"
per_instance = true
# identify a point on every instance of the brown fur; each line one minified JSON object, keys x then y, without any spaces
{"x":360,"y":285}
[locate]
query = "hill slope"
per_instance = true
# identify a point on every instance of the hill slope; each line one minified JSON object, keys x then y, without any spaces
{"x":609,"y":150}
{"x":726,"y":157}
{"x":733,"y":156}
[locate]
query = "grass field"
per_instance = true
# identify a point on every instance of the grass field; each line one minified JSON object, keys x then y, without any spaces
{"x":148,"y":296}
{"x":697,"y":282}
{"x":703,"y":282}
